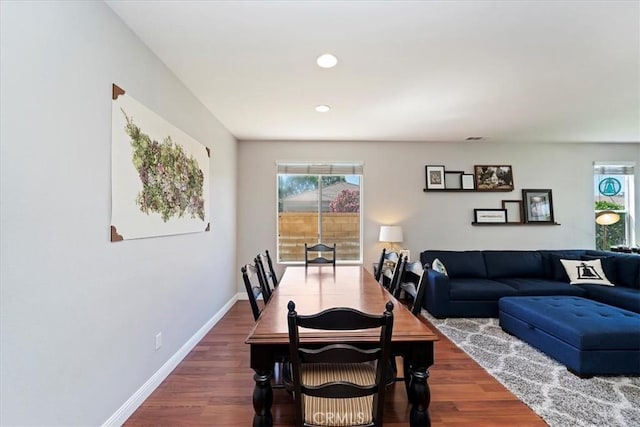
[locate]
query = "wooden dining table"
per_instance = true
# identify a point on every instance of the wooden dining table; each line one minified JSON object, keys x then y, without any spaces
{"x":316,"y":288}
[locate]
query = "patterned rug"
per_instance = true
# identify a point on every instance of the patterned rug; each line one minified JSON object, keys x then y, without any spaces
{"x":559,"y":397}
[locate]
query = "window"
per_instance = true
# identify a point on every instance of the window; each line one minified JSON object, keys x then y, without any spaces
{"x":614,"y":205}
{"x":319,"y":203}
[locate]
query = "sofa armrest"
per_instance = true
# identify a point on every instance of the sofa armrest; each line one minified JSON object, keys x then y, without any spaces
{"x":436,"y":295}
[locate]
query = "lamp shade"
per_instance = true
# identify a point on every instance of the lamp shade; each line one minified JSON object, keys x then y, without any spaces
{"x":607,"y":218}
{"x":391,"y":233}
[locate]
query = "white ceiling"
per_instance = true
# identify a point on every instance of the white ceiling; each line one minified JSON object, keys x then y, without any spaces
{"x":509,"y":71}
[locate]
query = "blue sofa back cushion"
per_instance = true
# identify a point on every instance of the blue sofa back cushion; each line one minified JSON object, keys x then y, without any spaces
{"x":627,"y":268}
{"x":458,"y":263}
{"x":553,"y":268}
{"x":609,"y":266}
{"x":513,"y":264}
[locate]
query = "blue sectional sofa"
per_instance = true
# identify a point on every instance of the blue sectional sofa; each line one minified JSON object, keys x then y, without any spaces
{"x":476,"y":280}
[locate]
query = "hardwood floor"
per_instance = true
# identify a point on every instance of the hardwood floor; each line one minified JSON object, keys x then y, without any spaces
{"x":213,"y":386}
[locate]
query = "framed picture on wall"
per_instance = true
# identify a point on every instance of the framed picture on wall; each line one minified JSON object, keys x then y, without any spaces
{"x":538,"y":206}
{"x":514,"y":210}
{"x":468,"y":181}
{"x":489,"y":216}
{"x":453,"y":180}
{"x":435,"y":177}
{"x":493,"y":178}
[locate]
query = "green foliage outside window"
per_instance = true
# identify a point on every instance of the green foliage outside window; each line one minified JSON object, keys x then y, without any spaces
{"x":603,"y":205}
{"x":615,"y":233}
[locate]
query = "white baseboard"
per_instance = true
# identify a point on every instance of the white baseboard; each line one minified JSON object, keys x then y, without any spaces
{"x":130,"y":406}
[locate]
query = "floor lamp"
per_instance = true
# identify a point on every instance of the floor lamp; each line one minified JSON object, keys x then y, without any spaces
{"x":605,"y":219}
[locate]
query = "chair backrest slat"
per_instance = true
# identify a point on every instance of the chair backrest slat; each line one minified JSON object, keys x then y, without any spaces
{"x":398,"y":272}
{"x":262,"y":277}
{"x":416,"y":308}
{"x":321,"y":249}
{"x":253,"y":287}
{"x":272,"y":272}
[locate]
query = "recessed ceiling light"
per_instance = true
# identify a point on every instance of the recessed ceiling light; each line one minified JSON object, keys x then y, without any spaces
{"x":322,"y":108}
{"x":327,"y":61}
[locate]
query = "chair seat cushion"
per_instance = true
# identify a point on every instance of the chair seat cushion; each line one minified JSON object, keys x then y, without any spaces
{"x":338,"y":412}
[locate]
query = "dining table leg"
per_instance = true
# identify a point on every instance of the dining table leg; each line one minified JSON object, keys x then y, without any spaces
{"x":262,"y":399}
{"x":417,"y":358}
{"x":420,"y":397}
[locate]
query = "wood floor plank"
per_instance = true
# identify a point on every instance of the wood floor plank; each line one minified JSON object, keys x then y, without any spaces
{"x":213,"y":386}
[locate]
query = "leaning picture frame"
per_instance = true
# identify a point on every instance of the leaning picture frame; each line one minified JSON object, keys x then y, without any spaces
{"x":537,"y":206}
{"x":435,"y":177}
{"x":468,"y":181}
{"x":493,"y":177}
{"x":490,"y":216}
{"x":514,"y":211}
{"x":453,"y":180}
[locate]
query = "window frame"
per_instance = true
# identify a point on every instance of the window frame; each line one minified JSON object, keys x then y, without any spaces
{"x":315,"y":169}
{"x":629,"y":197}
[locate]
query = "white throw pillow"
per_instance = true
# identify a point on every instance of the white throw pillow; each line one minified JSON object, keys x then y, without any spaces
{"x":585,"y":272}
{"x":438,"y":266}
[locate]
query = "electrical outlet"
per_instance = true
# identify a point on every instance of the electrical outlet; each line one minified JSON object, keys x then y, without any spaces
{"x":158,"y":340}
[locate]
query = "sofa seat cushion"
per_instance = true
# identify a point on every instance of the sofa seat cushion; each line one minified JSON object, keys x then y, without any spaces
{"x":530,"y":286}
{"x":513,"y":264}
{"x":478,"y":290}
{"x":619,"y":296}
{"x":458,"y":263}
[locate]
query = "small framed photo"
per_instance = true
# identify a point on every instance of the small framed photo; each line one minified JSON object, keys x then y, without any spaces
{"x":435,"y":177}
{"x":406,"y":253}
{"x":538,"y":206}
{"x":490,"y":216}
{"x":453,"y":180}
{"x":514,"y":211}
{"x":493,"y":178}
{"x":468,"y":181}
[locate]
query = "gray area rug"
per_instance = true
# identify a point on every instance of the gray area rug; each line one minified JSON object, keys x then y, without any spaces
{"x":558,"y":396}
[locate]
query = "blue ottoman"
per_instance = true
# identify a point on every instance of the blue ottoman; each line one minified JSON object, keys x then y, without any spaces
{"x":588,"y":337}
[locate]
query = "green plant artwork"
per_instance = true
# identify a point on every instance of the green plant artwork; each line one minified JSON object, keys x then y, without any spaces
{"x":172,"y":183}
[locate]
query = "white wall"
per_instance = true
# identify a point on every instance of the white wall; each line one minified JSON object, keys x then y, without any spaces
{"x":78,"y":313}
{"x":394,"y":178}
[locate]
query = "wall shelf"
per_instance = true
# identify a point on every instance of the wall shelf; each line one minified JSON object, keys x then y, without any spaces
{"x":535,"y":224}
{"x":444,"y":190}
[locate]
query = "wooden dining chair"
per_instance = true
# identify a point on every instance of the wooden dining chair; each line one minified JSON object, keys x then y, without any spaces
{"x":413,"y":286}
{"x":263,"y":277}
{"x":338,"y":384}
{"x":253,"y":286}
{"x":272,"y":272}
{"x":386,"y":264}
{"x":398,"y":272}
{"x":320,"y":249}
